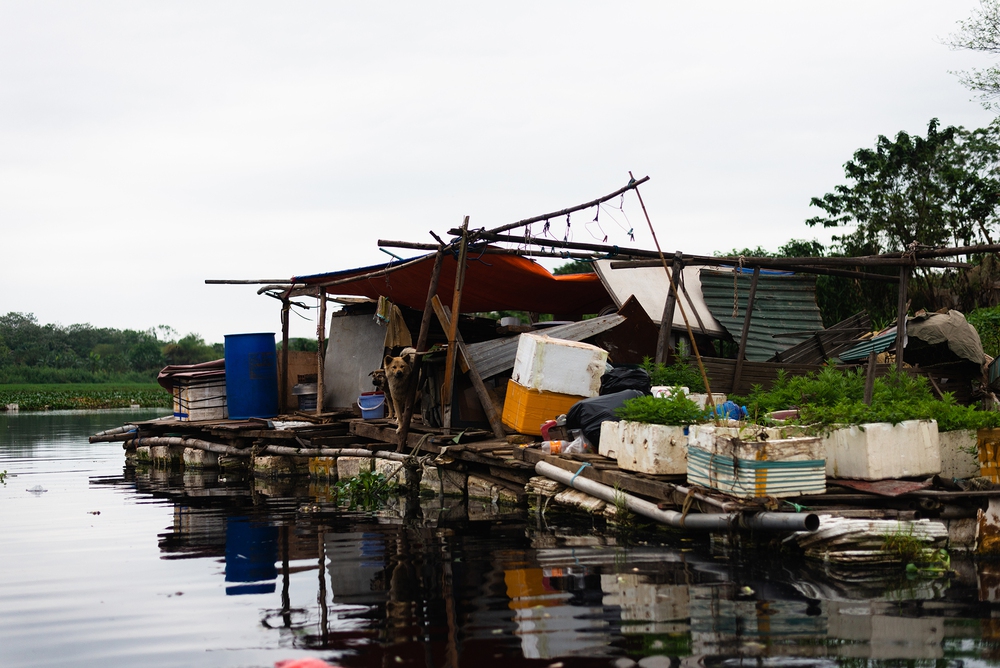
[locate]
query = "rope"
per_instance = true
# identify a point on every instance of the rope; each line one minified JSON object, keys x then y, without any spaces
{"x":579,"y":471}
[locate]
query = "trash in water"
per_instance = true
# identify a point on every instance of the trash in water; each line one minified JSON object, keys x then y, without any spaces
{"x":37,"y":489}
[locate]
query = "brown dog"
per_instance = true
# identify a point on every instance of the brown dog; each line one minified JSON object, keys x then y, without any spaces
{"x":397,"y":376}
{"x":381,"y":383}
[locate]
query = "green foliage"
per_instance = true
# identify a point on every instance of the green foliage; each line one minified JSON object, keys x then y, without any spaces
{"x":574,"y":267}
{"x":679,"y":373}
{"x":675,"y":410}
{"x":368,"y":490}
{"x":78,"y":397}
{"x":300,"y":344}
{"x":3,"y":477}
{"x":981,"y":32}
{"x":987,"y":323}
{"x":834,"y":397}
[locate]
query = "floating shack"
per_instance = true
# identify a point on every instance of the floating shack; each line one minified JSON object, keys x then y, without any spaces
{"x":489,"y":386}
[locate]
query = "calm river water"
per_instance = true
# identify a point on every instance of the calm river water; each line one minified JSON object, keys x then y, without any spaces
{"x":116,"y":567}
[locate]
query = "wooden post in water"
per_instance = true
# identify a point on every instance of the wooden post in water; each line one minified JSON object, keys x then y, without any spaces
{"x":320,"y":349}
{"x":667,"y":322}
{"x":904,"y":279}
{"x":403,"y":428}
{"x":452,"y":331}
{"x":746,"y":330}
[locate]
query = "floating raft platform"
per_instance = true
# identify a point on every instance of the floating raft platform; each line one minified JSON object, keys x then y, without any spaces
{"x":308,"y":444}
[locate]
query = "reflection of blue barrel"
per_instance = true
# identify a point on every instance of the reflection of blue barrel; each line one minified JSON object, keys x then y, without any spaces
{"x":251,"y":376}
{"x":251,"y":551}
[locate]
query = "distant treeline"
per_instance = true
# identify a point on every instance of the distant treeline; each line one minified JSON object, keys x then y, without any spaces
{"x":34,"y":353}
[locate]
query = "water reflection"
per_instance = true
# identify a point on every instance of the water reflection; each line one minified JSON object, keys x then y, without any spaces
{"x":435,"y":583}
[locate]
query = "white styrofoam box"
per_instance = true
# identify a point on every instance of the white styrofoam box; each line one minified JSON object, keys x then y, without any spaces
{"x":881,"y":451}
{"x":664,"y":391}
{"x":753,"y":469}
{"x":645,"y":448}
{"x":959,"y":456}
{"x":715,"y":439}
{"x":700,"y":398}
{"x":200,"y":400}
{"x":557,"y":365}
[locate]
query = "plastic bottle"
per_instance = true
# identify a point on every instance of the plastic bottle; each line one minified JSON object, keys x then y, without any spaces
{"x":553,"y":447}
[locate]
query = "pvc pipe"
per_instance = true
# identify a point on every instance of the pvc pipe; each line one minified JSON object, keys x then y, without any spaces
{"x":698,"y":522}
{"x":283,"y":450}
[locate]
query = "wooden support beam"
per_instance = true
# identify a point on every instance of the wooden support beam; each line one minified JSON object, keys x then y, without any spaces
{"x":403,"y":421}
{"x":870,"y":377}
{"x":904,"y":279}
{"x":667,"y":321}
{"x":746,"y":329}
{"x":320,"y":351}
{"x":452,"y":330}
{"x":485,"y":398}
{"x":286,"y":306}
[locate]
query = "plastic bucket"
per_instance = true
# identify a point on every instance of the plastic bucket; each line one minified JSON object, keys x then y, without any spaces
{"x":251,"y":376}
{"x":372,"y":405}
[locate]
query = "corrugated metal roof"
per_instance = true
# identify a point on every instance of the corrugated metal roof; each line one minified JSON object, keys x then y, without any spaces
{"x":496,"y":356}
{"x":784,"y":304}
{"x":879,"y":344}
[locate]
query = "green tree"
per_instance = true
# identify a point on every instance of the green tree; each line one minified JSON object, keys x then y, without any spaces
{"x":981,"y":32}
{"x":938,"y":190}
{"x":191,"y":349}
{"x":574,"y":267}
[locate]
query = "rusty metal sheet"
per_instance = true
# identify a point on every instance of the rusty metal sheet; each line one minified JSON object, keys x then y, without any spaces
{"x":882,"y":487}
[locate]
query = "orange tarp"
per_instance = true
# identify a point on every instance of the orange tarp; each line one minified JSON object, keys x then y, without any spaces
{"x":492,"y":283}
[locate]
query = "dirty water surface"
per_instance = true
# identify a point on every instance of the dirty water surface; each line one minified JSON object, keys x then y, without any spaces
{"x":108,"y":565}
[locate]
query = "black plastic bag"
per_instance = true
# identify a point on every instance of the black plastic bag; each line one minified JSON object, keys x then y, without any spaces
{"x":625,"y":378}
{"x":588,"y":414}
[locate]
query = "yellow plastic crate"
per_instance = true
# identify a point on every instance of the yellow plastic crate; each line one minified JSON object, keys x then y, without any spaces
{"x":526,"y":410}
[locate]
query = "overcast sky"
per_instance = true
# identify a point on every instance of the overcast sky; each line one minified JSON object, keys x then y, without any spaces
{"x":145,"y":147}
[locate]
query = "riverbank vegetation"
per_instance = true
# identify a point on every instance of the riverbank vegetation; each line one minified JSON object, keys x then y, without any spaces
{"x":83,"y":396}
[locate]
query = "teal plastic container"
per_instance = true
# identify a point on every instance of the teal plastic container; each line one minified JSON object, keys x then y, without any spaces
{"x":251,"y":376}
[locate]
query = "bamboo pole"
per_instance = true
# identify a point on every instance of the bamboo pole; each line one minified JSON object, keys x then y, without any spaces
{"x":870,"y":377}
{"x":746,"y":330}
{"x":632,"y":185}
{"x":673,"y":287}
{"x":452,"y":330}
{"x":320,"y":352}
{"x":754,"y":262}
{"x":403,"y":421}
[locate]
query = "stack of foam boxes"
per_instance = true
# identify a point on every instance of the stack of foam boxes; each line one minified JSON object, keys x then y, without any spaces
{"x":550,"y":375}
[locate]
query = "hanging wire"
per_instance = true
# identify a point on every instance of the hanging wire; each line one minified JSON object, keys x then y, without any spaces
{"x":627,"y":229}
{"x":604,"y":235}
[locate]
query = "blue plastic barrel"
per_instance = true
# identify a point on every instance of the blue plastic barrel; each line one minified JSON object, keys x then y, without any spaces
{"x":251,"y":376}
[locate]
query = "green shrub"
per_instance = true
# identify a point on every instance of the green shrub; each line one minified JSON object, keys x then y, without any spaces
{"x":675,"y":410}
{"x":679,"y":373}
{"x":987,"y":323}
{"x":833,"y":397}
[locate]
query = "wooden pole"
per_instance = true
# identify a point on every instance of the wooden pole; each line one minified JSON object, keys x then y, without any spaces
{"x":746,"y":329}
{"x":456,"y":301}
{"x":667,"y":322}
{"x":286,"y":306}
{"x":904,"y":279}
{"x":485,"y":398}
{"x":403,"y":427}
{"x":320,"y":357}
{"x":870,"y":377}
{"x":632,"y":185}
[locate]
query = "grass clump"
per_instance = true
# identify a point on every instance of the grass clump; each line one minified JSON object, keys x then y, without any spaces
{"x":675,"y":410}
{"x":834,"y":397}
